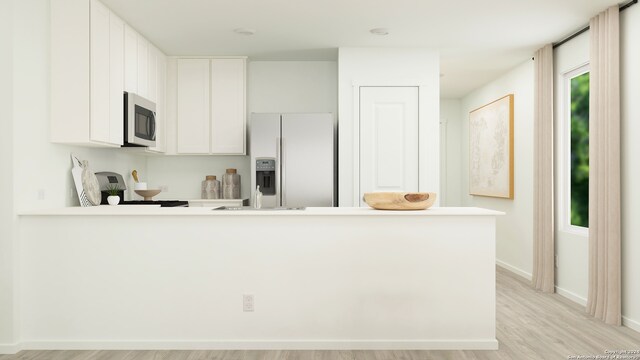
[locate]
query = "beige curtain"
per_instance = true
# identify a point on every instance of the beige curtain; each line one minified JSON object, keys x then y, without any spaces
{"x":604,"y":300}
{"x":543,"y":231}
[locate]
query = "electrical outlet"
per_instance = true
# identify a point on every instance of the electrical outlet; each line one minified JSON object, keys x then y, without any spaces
{"x":41,"y":194}
{"x":247,"y":303}
{"x":164,"y":188}
{"x":556,"y":260}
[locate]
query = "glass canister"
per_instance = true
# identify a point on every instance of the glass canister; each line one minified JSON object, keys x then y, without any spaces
{"x":231,"y":184}
{"x":211,"y":188}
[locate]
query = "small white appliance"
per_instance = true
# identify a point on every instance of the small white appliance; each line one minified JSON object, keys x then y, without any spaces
{"x":139,"y":121}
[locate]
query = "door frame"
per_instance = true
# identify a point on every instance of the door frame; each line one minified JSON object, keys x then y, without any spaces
{"x":356,"y":130}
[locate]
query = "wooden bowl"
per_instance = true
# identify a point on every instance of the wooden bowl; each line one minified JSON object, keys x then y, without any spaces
{"x":400,"y":200}
{"x":148,"y":194}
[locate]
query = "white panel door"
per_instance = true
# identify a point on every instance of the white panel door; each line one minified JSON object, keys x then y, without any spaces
{"x":99,"y":127}
{"x":143,"y":67}
{"x":193,"y":123}
{"x":130,"y":59}
{"x":228,"y":106}
{"x":116,"y":82}
{"x":388,"y":139}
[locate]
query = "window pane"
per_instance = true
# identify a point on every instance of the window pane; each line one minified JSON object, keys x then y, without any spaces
{"x":580,"y":150}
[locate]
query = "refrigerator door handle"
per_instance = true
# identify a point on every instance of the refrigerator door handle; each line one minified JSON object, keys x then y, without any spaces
{"x":283,"y":171}
{"x":278,"y":171}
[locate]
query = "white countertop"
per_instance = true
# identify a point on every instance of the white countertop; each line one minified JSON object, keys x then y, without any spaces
{"x":156,"y":210}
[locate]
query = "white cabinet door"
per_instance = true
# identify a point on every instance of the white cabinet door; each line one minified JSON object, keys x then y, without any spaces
{"x":228,"y":106}
{"x":388,"y":139}
{"x":152,"y":69}
{"x":116,"y":79}
{"x":99,"y":119}
{"x":161,"y":107}
{"x":130,"y":60}
{"x":143,"y":67}
{"x":193,"y":120}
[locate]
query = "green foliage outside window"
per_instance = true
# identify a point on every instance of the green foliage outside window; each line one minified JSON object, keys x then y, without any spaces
{"x":580,"y":150}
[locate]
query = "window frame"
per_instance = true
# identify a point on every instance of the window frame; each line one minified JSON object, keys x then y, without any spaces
{"x":565,"y":148}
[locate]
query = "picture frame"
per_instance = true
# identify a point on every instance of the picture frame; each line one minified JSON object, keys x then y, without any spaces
{"x":491,"y":146}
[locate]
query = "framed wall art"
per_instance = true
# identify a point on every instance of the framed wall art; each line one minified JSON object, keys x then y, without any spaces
{"x":491,"y":149}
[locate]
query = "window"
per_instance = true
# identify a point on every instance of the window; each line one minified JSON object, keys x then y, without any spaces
{"x":576,"y":168}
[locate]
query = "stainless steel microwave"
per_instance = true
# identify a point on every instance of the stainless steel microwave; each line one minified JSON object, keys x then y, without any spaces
{"x":139,"y":121}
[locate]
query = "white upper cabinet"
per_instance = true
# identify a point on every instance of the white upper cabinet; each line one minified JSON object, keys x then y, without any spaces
{"x":228,"y":109}
{"x":193,"y":106}
{"x":86,"y":74}
{"x":157,"y":90}
{"x":143,"y":67}
{"x":100,"y":76}
{"x":95,"y":57}
{"x":152,"y":73}
{"x":211,"y":106}
{"x":116,"y":79}
{"x":130,"y":60}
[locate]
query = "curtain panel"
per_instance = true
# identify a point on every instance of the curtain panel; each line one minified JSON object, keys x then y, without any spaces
{"x":604,"y":297}
{"x":543,"y":211}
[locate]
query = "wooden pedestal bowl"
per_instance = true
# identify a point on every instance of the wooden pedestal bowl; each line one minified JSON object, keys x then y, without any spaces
{"x":400,"y":200}
{"x":148,"y":194}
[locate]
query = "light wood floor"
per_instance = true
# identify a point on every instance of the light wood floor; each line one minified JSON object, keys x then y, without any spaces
{"x":530,"y":325}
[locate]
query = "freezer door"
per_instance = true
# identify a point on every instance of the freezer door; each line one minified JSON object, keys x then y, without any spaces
{"x":307,"y":165}
{"x":265,"y":143}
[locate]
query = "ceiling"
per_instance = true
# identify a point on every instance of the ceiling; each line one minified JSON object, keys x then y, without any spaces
{"x":478,"y":40}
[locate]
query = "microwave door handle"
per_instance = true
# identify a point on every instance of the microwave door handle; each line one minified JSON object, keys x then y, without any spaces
{"x":152,"y":125}
{"x":148,"y":134}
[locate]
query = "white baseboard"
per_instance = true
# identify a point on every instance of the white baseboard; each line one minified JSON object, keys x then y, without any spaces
{"x":631,"y":324}
{"x":472,"y":344}
{"x":571,"y":296}
{"x":10,"y":349}
{"x":514,"y":269}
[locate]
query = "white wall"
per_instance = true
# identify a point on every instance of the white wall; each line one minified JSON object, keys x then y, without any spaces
{"x":515,"y":229}
{"x":451,"y":119}
{"x":389,"y":67}
{"x":572,"y":248}
{"x":6,"y":175}
{"x":630,"y":147}
{"x":293,"y":86}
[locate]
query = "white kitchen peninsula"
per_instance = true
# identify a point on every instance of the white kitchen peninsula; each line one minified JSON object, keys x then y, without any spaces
{"x":323,"y":278}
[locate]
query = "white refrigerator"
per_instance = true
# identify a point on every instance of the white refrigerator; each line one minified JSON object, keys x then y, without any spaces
{"x":292,"y":159}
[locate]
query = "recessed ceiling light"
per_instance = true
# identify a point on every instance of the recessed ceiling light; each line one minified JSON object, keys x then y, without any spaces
{"x":379,"y":31}
{"x":244,"y":31}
